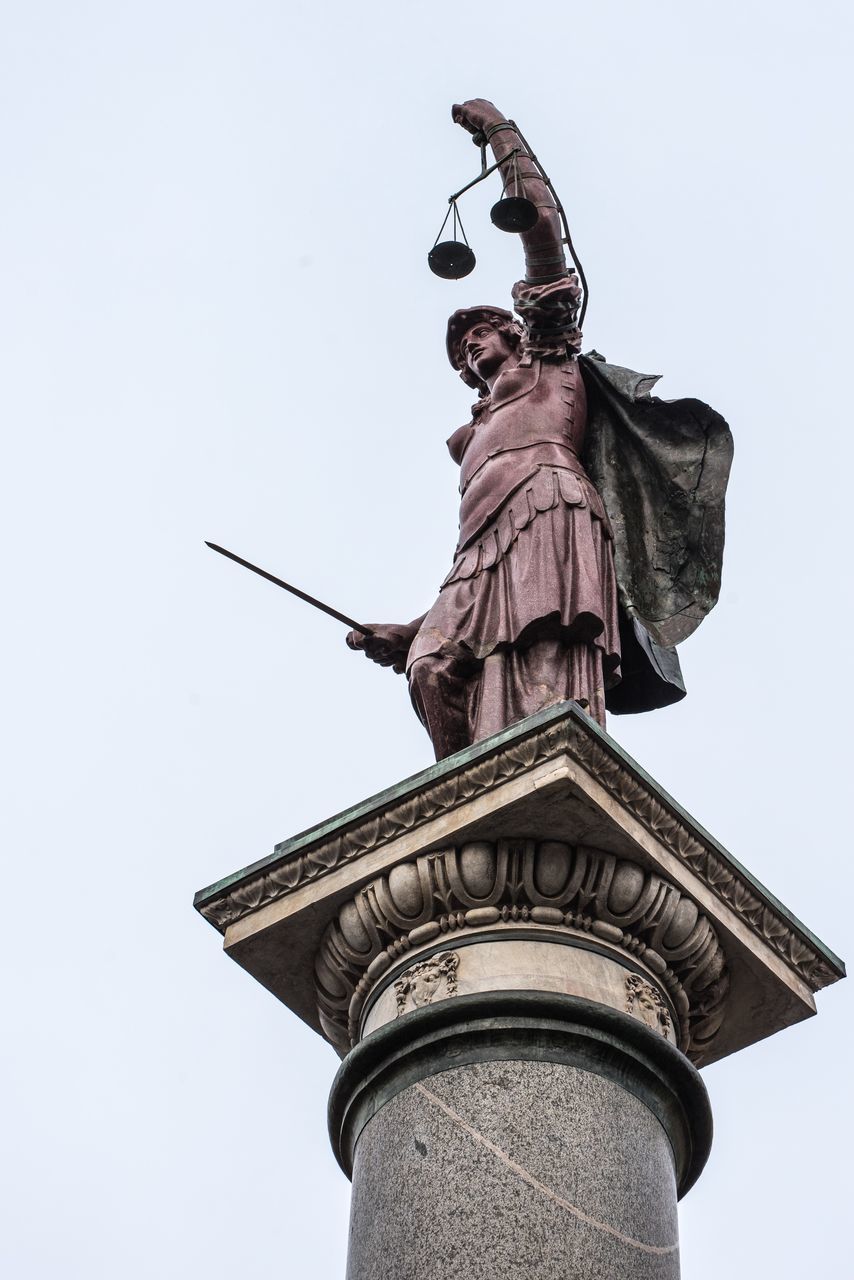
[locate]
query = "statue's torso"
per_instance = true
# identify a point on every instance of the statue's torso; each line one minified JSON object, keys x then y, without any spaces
{"x":536,"y":417}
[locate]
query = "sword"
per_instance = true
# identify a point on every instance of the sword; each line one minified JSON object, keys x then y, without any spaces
{"x":295,"y":591}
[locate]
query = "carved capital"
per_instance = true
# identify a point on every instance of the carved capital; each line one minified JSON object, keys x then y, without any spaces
{"x":508,"y":884}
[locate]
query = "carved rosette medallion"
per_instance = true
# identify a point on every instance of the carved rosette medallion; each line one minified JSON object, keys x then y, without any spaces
{"x":429,"y":980}
{"x":506,"y":885}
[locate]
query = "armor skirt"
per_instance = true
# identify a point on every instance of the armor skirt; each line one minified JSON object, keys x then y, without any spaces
{"x":530,"y":608}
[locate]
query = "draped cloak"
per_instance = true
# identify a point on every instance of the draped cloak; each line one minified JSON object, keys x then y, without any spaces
{"x":661,"y":469}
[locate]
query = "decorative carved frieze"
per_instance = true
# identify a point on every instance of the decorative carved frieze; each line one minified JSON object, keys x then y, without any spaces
{"x":610,"y":769}
{"x":534,"y":884}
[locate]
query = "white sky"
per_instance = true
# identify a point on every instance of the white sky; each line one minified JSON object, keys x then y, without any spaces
{"x":218,"y":322}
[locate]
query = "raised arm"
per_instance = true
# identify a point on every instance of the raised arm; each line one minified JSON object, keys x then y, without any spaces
{"x":545,"y":259}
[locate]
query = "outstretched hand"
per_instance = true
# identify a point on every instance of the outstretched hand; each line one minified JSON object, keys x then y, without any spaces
{"x":388,"y":645}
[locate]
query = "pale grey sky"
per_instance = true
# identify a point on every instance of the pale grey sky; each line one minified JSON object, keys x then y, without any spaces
{"x":217,"y":322}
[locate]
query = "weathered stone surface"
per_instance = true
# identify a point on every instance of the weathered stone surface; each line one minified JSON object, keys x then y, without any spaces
{"x":522,"y":1170}
{"x":524,"y":1026}
{"x":522,"y":964}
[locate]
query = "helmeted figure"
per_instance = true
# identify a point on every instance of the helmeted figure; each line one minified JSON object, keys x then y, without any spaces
{"x":591,"y":515}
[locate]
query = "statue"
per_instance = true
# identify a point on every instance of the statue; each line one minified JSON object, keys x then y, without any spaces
{"x":591,"y":515}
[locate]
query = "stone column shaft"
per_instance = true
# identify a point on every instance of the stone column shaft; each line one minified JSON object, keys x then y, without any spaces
{"x":517,"y":1134}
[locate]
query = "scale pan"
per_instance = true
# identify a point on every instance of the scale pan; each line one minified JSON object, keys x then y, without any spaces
{"x":451,"y":260}
{"x":514,"y":213}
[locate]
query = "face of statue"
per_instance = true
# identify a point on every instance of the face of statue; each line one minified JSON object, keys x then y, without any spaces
{"x":485,"y":350}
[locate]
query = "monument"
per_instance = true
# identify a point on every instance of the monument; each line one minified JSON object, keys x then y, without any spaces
{"x":525,"y":953}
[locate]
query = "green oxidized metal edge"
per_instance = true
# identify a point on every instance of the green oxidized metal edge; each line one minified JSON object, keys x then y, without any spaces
{"x":239,"y":887}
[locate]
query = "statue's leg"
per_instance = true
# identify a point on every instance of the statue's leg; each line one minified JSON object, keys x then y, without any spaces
{"x":516,"y":683}
{"x":441,"y":688}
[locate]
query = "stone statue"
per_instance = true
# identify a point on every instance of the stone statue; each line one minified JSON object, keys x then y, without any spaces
{"x":591,"y":518}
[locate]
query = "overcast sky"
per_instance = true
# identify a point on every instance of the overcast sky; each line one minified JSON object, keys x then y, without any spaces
{"x":218,"y":322}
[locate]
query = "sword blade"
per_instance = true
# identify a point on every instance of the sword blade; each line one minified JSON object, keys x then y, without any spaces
{"x":295,"y":591}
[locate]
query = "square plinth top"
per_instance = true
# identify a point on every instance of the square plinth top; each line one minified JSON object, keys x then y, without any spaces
{"x":555,"y":776}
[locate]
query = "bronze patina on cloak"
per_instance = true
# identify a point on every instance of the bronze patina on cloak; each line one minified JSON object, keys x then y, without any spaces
{"x":661,"y":468}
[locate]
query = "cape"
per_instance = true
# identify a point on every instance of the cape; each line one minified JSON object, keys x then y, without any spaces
{"x":661,"y":468}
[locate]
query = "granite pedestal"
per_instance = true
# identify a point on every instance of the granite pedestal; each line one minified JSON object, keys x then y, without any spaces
{"x":523,"y":956}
